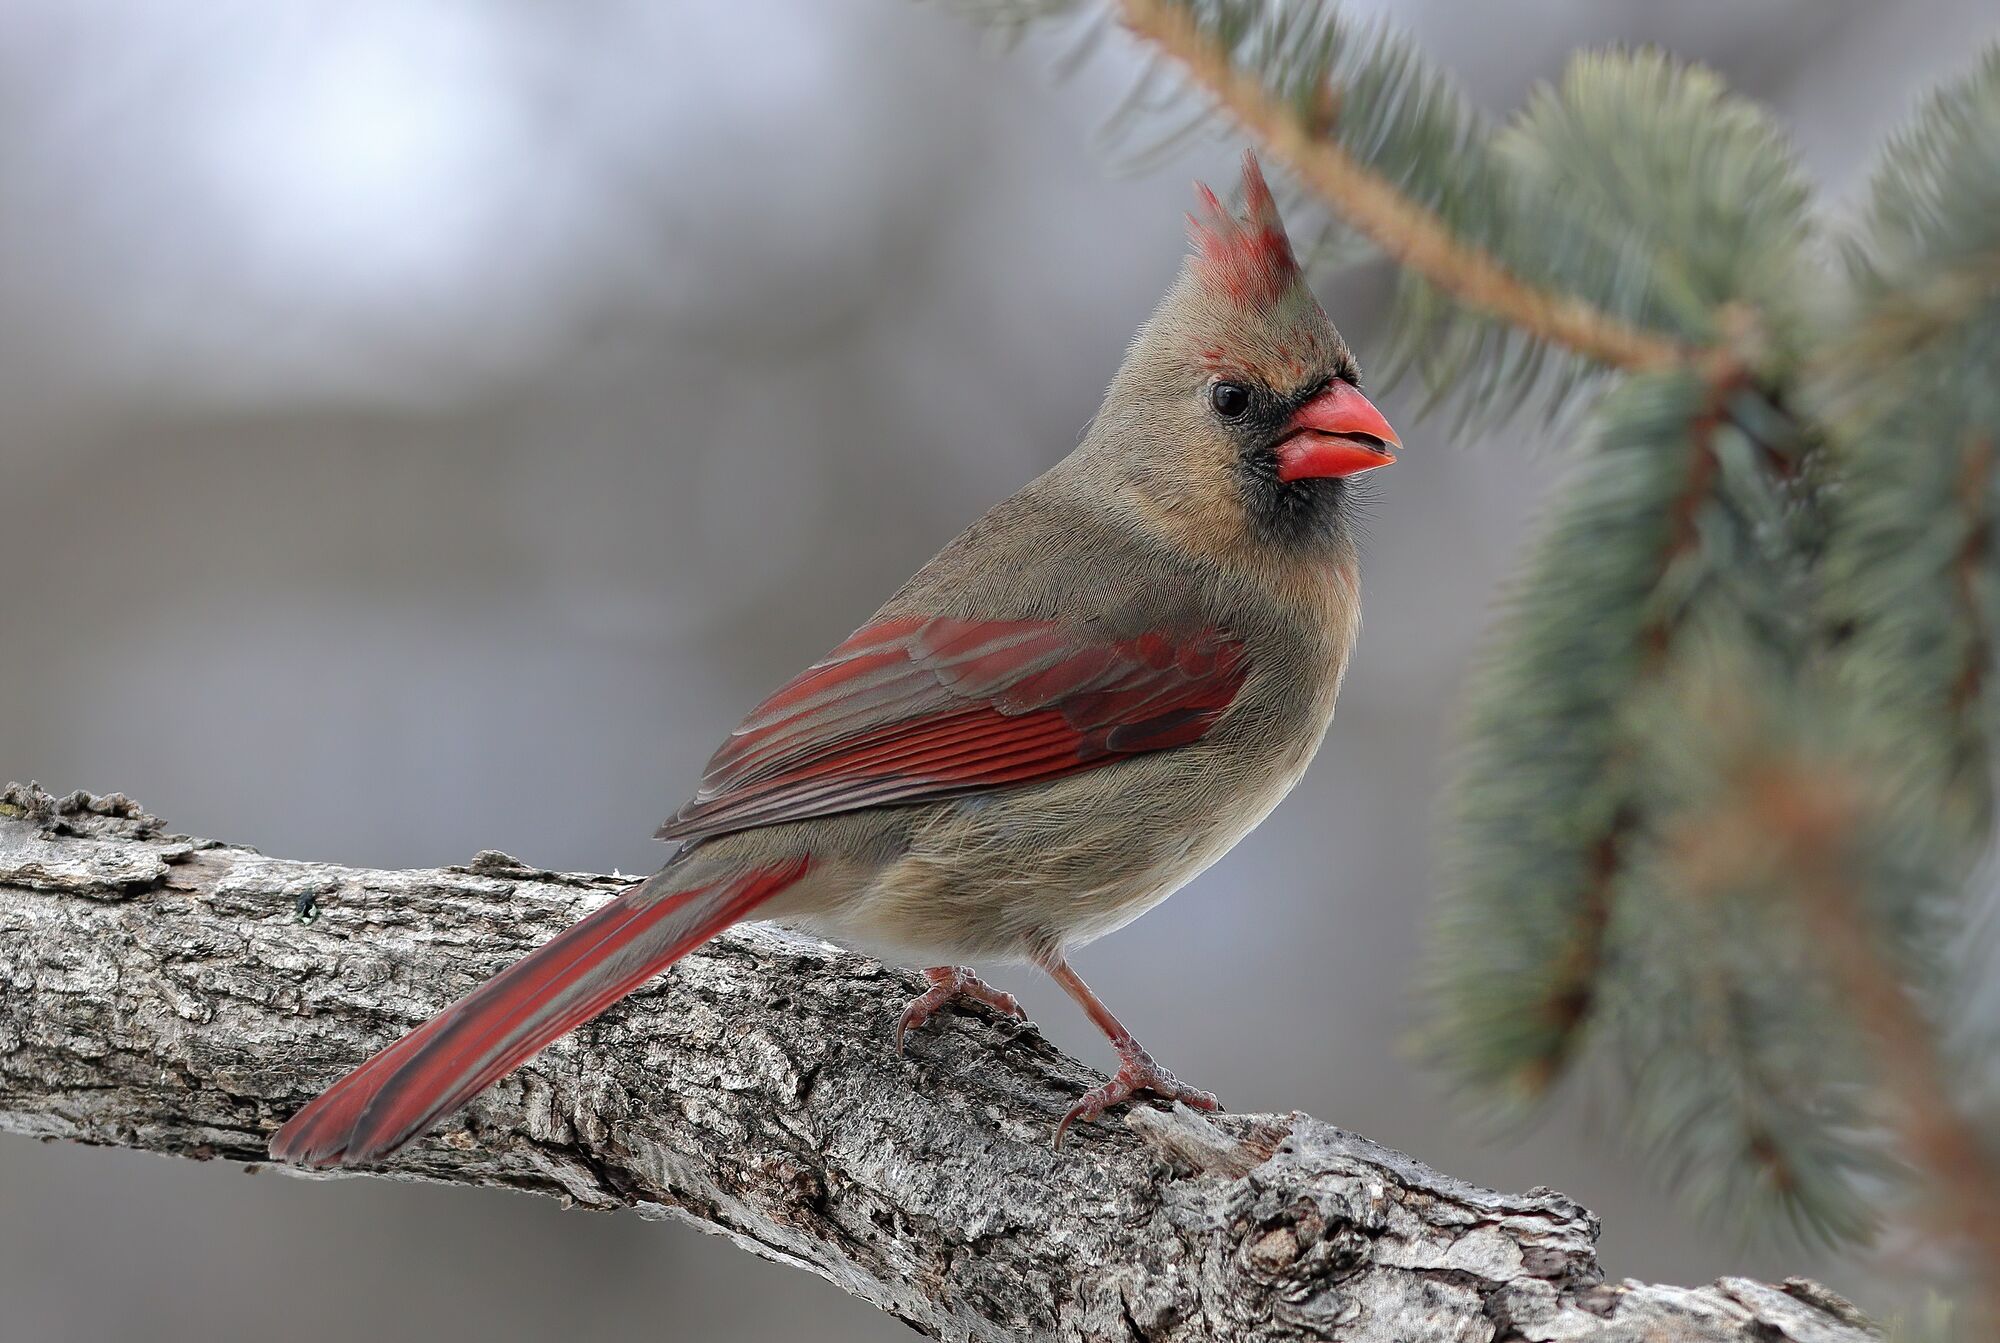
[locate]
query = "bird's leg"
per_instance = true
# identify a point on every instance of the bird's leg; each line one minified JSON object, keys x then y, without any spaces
{"x":1137,"y":1073}
{"x":949,"y":982}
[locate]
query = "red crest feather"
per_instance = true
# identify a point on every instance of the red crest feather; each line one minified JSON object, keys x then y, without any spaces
{"x":1248,"y":259}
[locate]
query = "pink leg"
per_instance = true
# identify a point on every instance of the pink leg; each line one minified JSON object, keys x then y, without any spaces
{"x":947,"y":983}
{"x":1137,"y":1073}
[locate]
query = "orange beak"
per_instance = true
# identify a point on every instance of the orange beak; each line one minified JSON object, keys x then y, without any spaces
{"x":1337,"y":433}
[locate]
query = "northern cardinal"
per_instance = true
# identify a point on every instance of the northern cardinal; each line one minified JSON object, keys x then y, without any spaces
{"x":1078,"y":705}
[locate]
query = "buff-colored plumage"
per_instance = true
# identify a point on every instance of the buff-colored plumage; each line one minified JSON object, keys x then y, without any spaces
{"x":1184,"y":586}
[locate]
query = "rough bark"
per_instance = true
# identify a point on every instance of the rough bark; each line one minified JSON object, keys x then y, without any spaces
{"x":185,"y":996}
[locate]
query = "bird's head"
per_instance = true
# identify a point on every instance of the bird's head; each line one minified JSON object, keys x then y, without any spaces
{"x":1238,"y":410}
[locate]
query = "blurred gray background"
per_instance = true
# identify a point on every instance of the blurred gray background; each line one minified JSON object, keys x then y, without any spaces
{"x":427,"y":426}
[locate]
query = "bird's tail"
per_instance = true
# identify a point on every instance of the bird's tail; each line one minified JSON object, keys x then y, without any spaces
{"x":400,"y":1093}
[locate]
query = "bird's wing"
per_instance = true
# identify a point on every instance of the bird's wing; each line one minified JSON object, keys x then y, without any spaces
{"x":912,"y":709}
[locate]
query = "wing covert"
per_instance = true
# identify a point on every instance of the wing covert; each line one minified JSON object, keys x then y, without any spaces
{"x":913,"y":708}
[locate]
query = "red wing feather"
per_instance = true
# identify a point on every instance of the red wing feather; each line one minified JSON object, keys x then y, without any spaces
{"x":912,"y":709}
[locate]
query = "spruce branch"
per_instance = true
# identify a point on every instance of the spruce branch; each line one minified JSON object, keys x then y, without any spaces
{"x":1742,"y":1081}
{"x":1908,"y":376}
{"x":1911,"y":598}
{"x":1811,"y":814}
{"x":1635,"y":217}
{"x":1553,"y":789}
{"x":1409,"y":234}
{"x":1793,"y":476}
{"x":1930,"y":236}
{"x":1574,"y":987}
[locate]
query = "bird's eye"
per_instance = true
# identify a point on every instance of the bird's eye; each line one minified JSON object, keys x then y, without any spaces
{"x":1230,"y":399}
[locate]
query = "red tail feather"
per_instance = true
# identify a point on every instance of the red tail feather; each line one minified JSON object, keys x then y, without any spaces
{"x":401,"y":1092}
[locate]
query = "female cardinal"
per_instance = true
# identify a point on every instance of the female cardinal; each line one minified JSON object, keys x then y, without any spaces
{"x":1074,"y":708}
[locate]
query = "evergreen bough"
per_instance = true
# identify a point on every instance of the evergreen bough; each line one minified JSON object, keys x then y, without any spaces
{"x":1727,"y":773}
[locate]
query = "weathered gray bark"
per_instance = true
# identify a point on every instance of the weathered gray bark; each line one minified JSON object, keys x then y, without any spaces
{"x":185,"y":996}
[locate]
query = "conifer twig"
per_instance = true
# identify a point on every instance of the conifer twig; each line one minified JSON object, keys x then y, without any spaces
{"x":1404,"y":230}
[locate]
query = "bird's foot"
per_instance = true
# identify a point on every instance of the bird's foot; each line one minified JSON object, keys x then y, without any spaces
{"x":1137,"y":1075}
{"x":949,"y":982}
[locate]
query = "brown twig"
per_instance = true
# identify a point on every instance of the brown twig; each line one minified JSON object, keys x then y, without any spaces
{"x":1906,"y":319}
{"x":1404,"y":230}
{"x":1684,"y":514}
{"x":1974,"y":484}
{"x":1572,"y":995}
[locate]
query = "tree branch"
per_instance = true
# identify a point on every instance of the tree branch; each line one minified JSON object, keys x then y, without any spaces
{"x":1403,"y":229}
{"x":184,"y":996}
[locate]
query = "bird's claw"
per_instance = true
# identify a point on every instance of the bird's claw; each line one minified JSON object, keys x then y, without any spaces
{"x":948,"y":983}
{"x":1137,"y":1075}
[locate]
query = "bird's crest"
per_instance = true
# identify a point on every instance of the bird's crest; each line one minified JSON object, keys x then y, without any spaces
{"x":1249,"y":259}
